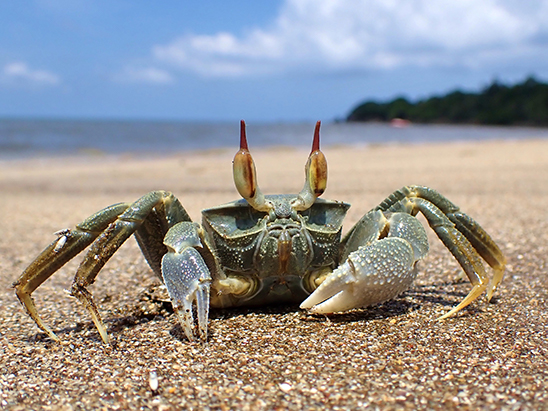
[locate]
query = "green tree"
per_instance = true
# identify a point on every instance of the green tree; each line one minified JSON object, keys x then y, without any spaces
{"x":524,"y":103}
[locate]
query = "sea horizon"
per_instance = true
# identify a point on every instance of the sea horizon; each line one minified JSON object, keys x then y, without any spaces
{"x":29,"y":137}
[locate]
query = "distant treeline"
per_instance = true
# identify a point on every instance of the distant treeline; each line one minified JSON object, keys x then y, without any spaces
{"x":522,"y":104}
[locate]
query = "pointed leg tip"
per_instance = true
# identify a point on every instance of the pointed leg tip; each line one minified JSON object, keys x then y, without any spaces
{"x":54,"y":337}
{"x":489,"y":294}
{"x":445,"y":316}
{"x":48,"y":331}
{"x":495,"y":281}
{"x":103,"y":334}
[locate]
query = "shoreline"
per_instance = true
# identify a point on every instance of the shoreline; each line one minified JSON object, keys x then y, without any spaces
{"x":66,"y":138}
{"x":96,"y":154}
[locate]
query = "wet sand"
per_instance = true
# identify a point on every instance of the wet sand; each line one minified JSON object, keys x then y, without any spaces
{"x":393,"y":356}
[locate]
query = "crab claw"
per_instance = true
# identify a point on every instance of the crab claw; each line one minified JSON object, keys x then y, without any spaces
{"x":371,"y":275}
{"x":187,"y":278}
{"x":187,"y":281}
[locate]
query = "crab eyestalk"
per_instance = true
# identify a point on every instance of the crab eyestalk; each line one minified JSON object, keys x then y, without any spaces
{"x":315,"y":175}
{"x":245,"y":175}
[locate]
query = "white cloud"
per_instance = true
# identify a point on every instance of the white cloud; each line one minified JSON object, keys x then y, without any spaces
{"x":151,"y":75}
{"x":19,"y":73}
{"x":325,"y":35}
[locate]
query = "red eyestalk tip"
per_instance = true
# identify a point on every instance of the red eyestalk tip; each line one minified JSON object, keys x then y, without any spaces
{"x":316,"y":141}
{"x":243,"y":139}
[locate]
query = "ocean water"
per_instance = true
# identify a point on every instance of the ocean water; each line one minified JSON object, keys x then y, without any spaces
{"x":26,"y":138}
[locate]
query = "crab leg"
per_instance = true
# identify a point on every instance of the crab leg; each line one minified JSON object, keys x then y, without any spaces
{"x":461,"y":249}
{"x":476,"y":235}
{"x":64,"y":248}
{"x":113,"y":237}
{"x":457,"y":231}
{"x":463,"y":236}
{"x":106,"y":230}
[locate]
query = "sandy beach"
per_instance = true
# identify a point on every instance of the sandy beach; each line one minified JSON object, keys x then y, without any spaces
{"x":394,"y":356}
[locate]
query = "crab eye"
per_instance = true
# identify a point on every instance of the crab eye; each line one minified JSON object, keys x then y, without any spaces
{"x":315,"y":174}
{"x":316,"y":167}
{"x":245,"y":175}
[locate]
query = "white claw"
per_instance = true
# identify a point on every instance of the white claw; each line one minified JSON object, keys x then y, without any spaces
{"x":371,"y":275}
{"x":187,"y":280}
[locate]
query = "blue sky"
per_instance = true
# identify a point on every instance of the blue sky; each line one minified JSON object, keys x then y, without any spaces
{"x":275,"y":60}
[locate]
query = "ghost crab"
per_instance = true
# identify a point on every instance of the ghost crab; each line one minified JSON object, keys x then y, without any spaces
{"x":270,"y":249}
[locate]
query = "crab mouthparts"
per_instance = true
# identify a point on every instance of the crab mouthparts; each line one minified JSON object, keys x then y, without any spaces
{"x":284,"y":250}
{"x":283,"y":234}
